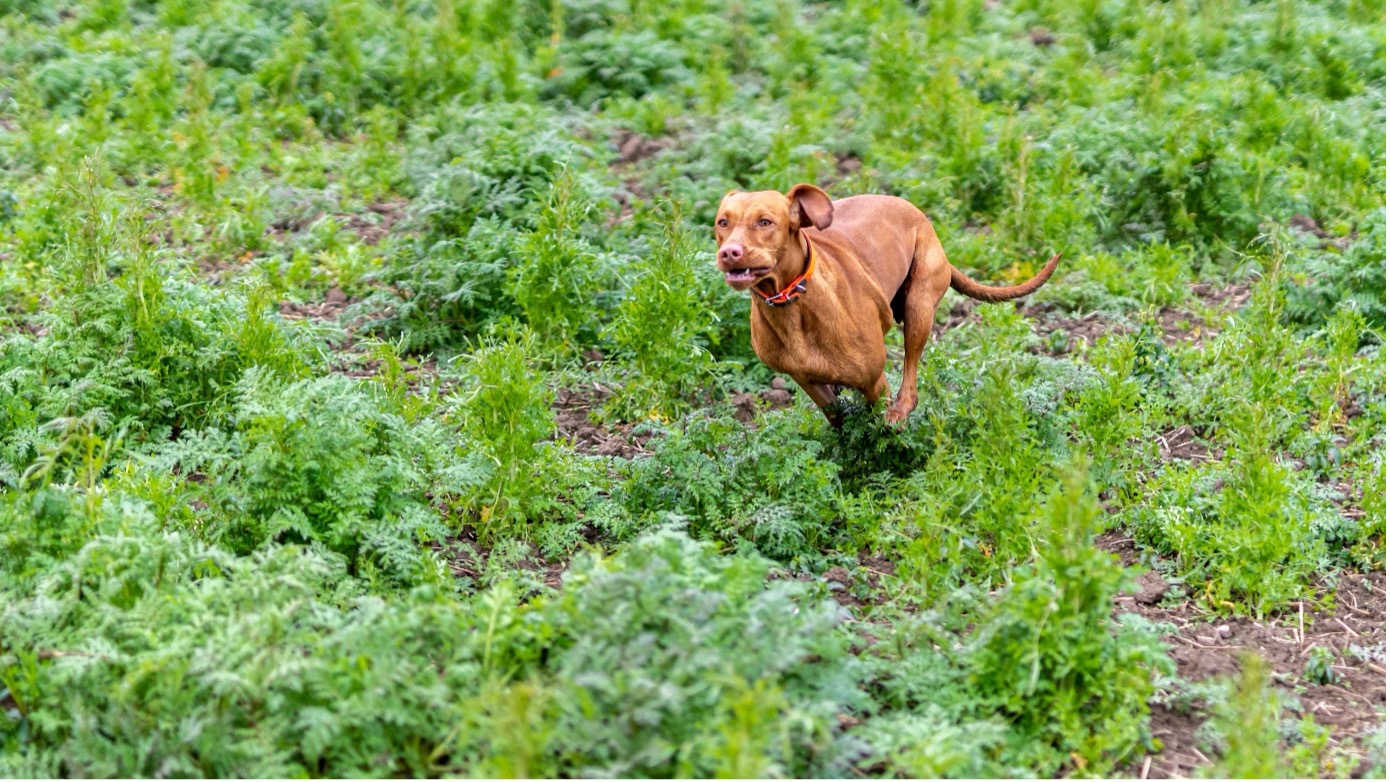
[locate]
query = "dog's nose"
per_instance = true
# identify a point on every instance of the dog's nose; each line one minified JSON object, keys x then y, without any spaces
{"x":731,"y":253}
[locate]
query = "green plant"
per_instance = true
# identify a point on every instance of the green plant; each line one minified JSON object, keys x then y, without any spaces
{"x":680,"y":662}
{"x":1250,"y":725}
{"x":602,"y":63}
{"x":556,"y":275}
{"x":763,"y":488}
{"x":128,"y":333}
{"x":283,"y":658}
{"x":1049,"y":656}
{"x":1322,"y":276}
{"x":317,"y":461}
{"x":866,"y":446}
{"x":1251,"y":740}
{"x":1225,"y":542}
{"x":667,"y":659}
{"x":1319,"y":668}
{"x":503,"y":412}
{"x":501,"y":228}
{"x":662,"y":329}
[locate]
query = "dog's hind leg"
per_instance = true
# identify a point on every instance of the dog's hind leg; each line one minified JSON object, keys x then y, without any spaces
{"x":926,"y":283}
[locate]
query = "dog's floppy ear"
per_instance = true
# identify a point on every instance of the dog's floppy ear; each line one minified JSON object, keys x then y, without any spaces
{"x":809,"y":205}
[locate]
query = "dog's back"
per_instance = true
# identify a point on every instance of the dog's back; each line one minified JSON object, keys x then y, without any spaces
{"x":885,"y":231}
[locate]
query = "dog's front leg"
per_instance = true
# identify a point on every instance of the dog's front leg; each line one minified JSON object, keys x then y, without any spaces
{"x":875,"y":392}
{"x":824,"y":397}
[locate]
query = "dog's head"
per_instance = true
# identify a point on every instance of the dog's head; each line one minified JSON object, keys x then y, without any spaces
{"x":755,"y":230}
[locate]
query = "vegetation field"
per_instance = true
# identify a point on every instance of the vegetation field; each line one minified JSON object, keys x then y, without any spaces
{"x":370,"y":404}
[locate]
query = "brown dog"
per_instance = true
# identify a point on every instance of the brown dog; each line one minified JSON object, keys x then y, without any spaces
{"x":829,"y":279}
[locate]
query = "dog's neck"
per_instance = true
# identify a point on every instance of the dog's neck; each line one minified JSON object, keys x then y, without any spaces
{"x":793,"y":263}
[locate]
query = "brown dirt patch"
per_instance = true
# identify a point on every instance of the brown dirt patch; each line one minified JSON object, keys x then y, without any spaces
{"x":354,"y":363}
{"x":1203,"y":647}
{"x":634,"y":147}
{"x":1066,"y":334}
{"x":1183,"y":444}
{"x":624,"y":200}
{"x":573,"y":422}
{"x":1119,"y":544}
{"x":1180,"y":325}
{"x":1175,"y":729}
{"x":218,"y":269}
{"x":1222,"y":298}
{"x":862,"y":588}
{"x":1305,"y":224}
{"x":961,"y":313}
{"x":466,"y":558}
{"x":1063,"y":333}
{"x":854,"y":590}
{"x":462,"y":554}
{"x":375,"y":223}
{"x":873,"y":569}
{"x":776,"y":397}
{"x":369,"y":225}
{"x":330,"y":309}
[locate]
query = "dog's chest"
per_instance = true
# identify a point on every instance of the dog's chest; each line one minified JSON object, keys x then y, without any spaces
{"x":827,"y":346}
{"x":780,"y":342}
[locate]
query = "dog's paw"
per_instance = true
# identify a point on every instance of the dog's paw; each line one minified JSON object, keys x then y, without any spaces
{"x":897,"y":416}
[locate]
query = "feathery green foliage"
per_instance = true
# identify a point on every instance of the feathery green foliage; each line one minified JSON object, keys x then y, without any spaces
{"x":369,"y":403}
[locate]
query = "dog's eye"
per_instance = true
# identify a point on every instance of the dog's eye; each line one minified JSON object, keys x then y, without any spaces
{"x":723,"y":223}
{"x":764,"y":223}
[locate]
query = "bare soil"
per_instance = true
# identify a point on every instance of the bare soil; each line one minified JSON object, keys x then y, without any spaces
{"x":329,"y":309}
{"x":1078,"y":332}
{"x":574,"y":421}
{"x":467,"y":558}
{"x":1184,"y":444}
{"x":1204,"y":647}
{"x":1178,"y":325}
{"x":854,"y":590}
{"x":379,"y":219}
{"x":634,"y":147}
{"x":1305,"y":224}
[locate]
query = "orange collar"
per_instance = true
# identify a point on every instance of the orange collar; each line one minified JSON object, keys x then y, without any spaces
{"x":797,"y":286}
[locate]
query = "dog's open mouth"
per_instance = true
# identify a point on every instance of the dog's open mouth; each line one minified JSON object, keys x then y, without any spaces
{"x":745,"y":275}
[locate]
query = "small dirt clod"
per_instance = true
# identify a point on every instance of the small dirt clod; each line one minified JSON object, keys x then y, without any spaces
{"x":1152,"y":587}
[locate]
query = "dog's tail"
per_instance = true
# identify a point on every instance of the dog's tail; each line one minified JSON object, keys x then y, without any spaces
{"x":975,"y":290}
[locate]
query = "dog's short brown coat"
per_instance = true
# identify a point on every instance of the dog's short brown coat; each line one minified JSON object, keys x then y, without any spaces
{"x":877,"y":260}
